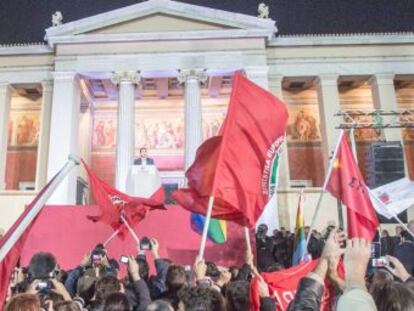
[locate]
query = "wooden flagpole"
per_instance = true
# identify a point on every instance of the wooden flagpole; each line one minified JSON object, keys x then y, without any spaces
{"x":248,"y":242}
{"x":205,"y":228}
{"x":318,"y":204}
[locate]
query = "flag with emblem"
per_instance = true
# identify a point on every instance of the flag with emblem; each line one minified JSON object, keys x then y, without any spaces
{"x":270,"y":215}
{"x":345,"y":182}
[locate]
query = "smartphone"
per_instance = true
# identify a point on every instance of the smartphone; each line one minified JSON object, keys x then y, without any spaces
{"x":124,"y":259}
{"x":145,"y":244}
{"x":380,"y":262}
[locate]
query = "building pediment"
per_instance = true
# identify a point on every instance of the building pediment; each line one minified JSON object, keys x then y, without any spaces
{"x":159,"y":19}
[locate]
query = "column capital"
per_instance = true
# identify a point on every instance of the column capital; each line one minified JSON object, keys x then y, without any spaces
{"x":185,"y":75}
{"x":133,"y":77}
{"x":382,"y":79}
{"x":47,"y":85}
{"x":5,"y":87}
{"x":64,"y":75}
{"x":330,"y":79}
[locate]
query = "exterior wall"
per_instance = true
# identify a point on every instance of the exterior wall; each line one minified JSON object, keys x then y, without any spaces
{"x":277,"y":59}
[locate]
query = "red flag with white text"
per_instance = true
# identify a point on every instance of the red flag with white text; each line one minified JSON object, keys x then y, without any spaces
{"x":235,"y":166}
{"x":283,"y":285}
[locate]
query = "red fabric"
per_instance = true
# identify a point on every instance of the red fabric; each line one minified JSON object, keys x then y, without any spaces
{"x":70,"y":235}
{"x":9,"y":262}
{"x":347,"y":184}
{"x":234,"y":166}
{"x":134,"y":209}
{"x":283,"y":284}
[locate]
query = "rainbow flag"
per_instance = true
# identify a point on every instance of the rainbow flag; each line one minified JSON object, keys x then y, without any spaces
{"x":217,"y":230}
{"x":299,"y":246}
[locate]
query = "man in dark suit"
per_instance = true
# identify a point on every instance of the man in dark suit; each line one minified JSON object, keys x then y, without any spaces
{"x":143,"y":158}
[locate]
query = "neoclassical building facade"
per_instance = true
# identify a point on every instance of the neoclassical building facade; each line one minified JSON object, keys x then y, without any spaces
{"x":158,"y":74}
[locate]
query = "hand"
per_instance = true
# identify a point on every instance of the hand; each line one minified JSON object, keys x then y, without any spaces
{"x":133,"y":269}
{"x":105,"y":261}
{"x":155,"y":247}
{"x":333,"y":244}
{"x":224,"y":278}
{"x":399,"y":270}
{"x":357,"y":255}
{"x":59,"y":288}
{"x":333,"y":276}
{"x":263,"y":288}
{"x":33,"y":288}
{"x":200,"y":269}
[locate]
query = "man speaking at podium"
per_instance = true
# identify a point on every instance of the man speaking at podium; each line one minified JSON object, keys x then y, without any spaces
{"x":144,"y":179}
{"x":143,"y":158}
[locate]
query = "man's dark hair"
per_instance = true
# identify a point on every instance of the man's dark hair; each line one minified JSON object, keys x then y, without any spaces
{"x":143,"y":268}
{"x":404,"y":234}
{"x":159,"y":305}
{"x":42,"y":266}
{"x":106,"y":286}
{"x":212,"y":270}
{"x":237,"y":296}
{"x":143,"y":148}
{"x":176,"y":278}
{"x":86,"y":288}
{"x":201,"y":299}
{"x":116,"y":302}
{"x":394,"y":297}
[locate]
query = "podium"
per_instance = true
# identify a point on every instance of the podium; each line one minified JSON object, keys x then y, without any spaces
{"x":143,"y":180}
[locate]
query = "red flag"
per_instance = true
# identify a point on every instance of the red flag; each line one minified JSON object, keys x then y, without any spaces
{"x":113,"y":203}
{"x":9,"y":262}
{"x":283,"y":285}
{"x":235,"y":166}
{"x":345,"y":182}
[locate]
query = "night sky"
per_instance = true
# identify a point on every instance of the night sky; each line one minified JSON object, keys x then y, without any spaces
{"x":23,"y":21}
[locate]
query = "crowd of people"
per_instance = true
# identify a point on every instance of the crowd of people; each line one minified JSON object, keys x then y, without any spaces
{"x":95,"y":283}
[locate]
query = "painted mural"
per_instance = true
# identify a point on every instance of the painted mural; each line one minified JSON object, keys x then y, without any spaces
{"x":303,"y":124}
{"x":23,"y":129}
{"x":163,"y":134}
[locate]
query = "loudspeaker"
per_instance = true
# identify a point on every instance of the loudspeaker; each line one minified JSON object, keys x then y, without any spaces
{"x":385,"y":164}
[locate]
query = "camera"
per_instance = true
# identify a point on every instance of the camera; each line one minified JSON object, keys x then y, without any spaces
{"x":124,"y":259}
{"x":145,"y":244}
{"x":380,"y":262}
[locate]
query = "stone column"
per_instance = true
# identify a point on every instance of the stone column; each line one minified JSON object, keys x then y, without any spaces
{"x":329,"y":104}
{"x":384,"y":97}
{"x":125,"y":145}
{"x":64,"y":134}
{"x":43,"y":147}
{"x":275,"y":86}
{"x":5,"y":103}
{"x":192,"y":80}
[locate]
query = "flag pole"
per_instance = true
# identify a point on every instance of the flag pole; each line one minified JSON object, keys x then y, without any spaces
{"x":205,"y":228}
{"x":37,"y":207}
{"x":248,"y":242}
{"x":318,"y":204}
{"x":129,"y":229}
{"x":113,"y":235}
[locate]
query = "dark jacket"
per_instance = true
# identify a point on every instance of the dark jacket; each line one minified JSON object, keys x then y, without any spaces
{"x":308,"y":295}
{"x":150,"y":161}
{"x":267,"y":304}
{"x":157,"y":283}
{"x":405,"y":253}
{"x":138,"y":295}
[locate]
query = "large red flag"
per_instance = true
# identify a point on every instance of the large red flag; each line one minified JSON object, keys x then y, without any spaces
{"x":283,"y":285}
{"x":235,"y":166}
{"x":9,"y":262}
{"x":346,"y":183}
{"x":113,"y":203}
